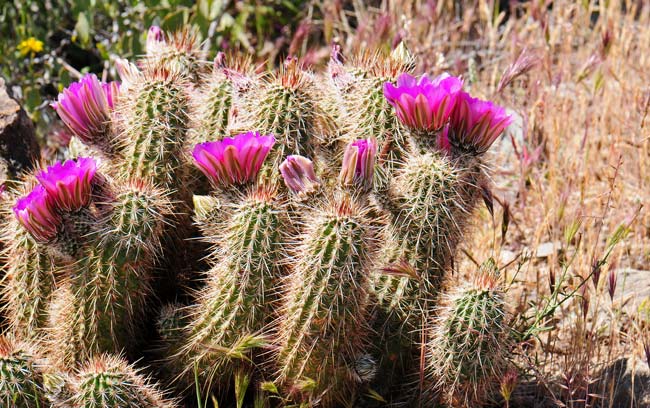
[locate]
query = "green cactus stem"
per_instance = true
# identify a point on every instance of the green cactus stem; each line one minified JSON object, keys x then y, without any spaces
{"x":103,"y":298}
{"x":236,"y":303}
{"x":324,"y":312}
{"x":107,"y":382}
{"x":21,"y":380}
{"x":469,"y":341}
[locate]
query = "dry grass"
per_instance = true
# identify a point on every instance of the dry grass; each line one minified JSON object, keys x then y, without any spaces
{"x":574,"y":174}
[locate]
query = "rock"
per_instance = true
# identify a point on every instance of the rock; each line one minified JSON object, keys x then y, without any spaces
{"x":626,"y":383}
{"x":632,"y":288}
{"x":546,"y":249}
{"x":503,"y":145}
{"x":506,"y":256}
{"x":18,"y":146}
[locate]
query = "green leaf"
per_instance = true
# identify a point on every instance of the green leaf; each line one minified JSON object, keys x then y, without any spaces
{"x":210,"y":9}
{"x":242,"y":380}
{"x":270,"y":387}
{"x":82,"y":29}
{"x":375,"y":395}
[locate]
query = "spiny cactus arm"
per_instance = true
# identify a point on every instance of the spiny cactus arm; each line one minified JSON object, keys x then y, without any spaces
{"x":240,"y":289}
{"x":212,"y":105}
{"x":287,"y":105}
{"x":28,"y":282}
{"x":325,"y":303}
{"x":108,"y":381}
{"x":109,"y":284}
{"x":154,"y":122}
{"x":21,"y":379}
{"x":178,"y":52}
{"x":363,"y":110}
{"x":469,"y":341}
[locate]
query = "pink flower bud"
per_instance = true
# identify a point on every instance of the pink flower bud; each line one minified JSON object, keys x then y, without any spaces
{"x":298,"y":174}
{"x":155,"y":38}
{"x":359,"y":163}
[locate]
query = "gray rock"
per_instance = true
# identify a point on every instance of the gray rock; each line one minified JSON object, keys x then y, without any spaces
{"x":625,"y":383}
{"x":18,"y":146}
{"x":546,"y":249}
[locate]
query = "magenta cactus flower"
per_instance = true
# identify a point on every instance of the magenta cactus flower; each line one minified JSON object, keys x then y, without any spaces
{"x":298,"y":174}
{"x":85,"y":106}
{"x":442,"y":143}
{"x":36,"y":213}
{"x":475,"y":124}
{"x":69,"y":184}
{"x":233,"y":160}
{"x":155,"y":37}
{"x":359,"y":163}
{"x":423,"y":104}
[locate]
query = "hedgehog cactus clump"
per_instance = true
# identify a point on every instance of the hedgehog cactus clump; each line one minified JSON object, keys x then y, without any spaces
{"x":328,"y":207}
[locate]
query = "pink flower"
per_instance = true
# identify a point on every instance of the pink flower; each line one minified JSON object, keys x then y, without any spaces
{"x":233,"y":160}
{"x":359,"y":163}
{"x":36,"y":213}
{"x":85,"y":106}
{"x":425,"y":104}
{"x":475,"y":124}
{"x":155,"y":37}
{"x":442,"y":143}
{"x":298,"y":174}
{"x":69,"y":184}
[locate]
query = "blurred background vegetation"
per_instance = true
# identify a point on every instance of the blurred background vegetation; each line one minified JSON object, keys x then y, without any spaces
{"x":46,"y":44}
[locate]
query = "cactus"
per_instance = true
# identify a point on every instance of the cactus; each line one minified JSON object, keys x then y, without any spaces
{"x":107,"y":289}
{"x":26,"y":295}
{"x":363,"y":111}
{"x":178,"y":52}
{"x":235,"y":305}
{"x":154,"y":125}
{"x":21,"y":379}
{"x":329,"y":207}
{"x":468,"y":342}
{"x":287,"y":106}
{"x":326,"y":303}
{"x":108,"y":381}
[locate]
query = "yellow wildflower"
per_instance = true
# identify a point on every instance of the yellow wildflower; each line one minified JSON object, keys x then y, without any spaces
{"x":30,"y":46}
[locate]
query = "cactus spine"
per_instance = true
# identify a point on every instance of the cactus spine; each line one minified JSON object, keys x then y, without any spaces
{"x":468,"y":340}
{"x":325,"y":304}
